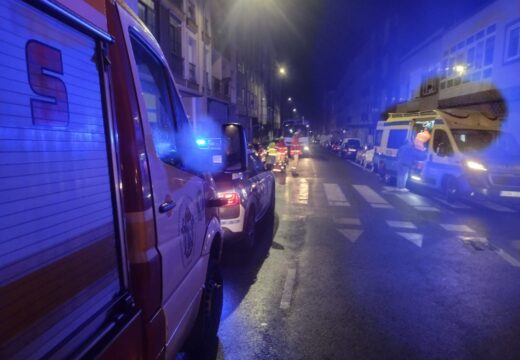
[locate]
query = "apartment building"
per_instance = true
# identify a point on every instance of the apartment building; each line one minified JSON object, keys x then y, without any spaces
{"x":219,"y":79}
{"x":474,"y":64}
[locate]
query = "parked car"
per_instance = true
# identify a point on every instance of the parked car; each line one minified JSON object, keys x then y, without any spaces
{"x":350,"y":147}
{"x":110,"y":239}
{"x":248,"y":187}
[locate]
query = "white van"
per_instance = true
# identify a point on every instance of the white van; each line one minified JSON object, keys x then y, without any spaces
{"x":468,"y":154}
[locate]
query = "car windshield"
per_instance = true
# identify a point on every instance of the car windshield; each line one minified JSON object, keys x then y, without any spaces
{"x":474,"y":140}
{"x":353,"y":143}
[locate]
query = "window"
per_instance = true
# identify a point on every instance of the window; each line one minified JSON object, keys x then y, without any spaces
{"x":176,"y":35}
{"x":396,"y":138}
{"x":441,"y":143}
{"x":156,"y":94}
{"x":513,"y":42}
{"x":147,"y":13}
{"x":379,"y":136}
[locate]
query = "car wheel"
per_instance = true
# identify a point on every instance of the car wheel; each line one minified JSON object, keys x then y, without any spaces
{"x":249,"y":234}
{"x":203,"y":337}
{"x":451,"y":188}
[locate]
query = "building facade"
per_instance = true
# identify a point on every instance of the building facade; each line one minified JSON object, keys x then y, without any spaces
{"x":220,"y":79}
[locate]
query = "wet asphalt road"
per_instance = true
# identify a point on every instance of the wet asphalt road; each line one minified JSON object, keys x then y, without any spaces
{"x":356,"y":270}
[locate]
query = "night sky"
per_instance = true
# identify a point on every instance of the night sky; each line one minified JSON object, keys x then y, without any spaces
{"x":316,"y":38}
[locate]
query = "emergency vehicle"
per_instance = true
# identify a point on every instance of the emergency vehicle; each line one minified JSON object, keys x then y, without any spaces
{"x":109,"y":241}
{"x":467,"y":156}
{"x":290,"y":127}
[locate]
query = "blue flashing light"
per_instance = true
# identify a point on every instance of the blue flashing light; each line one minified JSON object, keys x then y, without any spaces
{"x":201,"y":142}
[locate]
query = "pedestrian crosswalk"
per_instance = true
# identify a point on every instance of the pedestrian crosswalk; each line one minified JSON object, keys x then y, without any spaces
{"x":387,"y":197}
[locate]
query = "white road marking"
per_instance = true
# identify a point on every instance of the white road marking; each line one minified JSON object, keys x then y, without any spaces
{"x":288,"y":289}
{"x":511,"y":260}
{"x":346,"y":221}
{"x":453,"y":205}
{"x":351,"y":234}
{"x":382,"y":206}
{"x":286,"y":217}
{"x":414,"y":238}
{"x":457,"y":228}
{"x":416,"y":201}
{"x":297,"y":191}
{"x":495,"y":207}
{"x":401,"y":224}
{"x":374,"y":199}
{"x":335,"y":195}
{"x":427,"y":208}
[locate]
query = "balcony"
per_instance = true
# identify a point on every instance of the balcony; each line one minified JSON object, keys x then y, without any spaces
{"x":221,"y":88}
{"x":192,"y":77}
{"x":178,"y":8}
{"x":206,"y":38}
{"x":192,"y":24}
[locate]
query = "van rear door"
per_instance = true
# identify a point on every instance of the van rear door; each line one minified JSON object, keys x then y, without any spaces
{"x":61,"y":276}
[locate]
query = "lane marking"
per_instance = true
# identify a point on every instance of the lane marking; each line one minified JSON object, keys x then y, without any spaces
{"x":286,"y":217}
{"x":351,"y":234}
{"x":496,"y":207}
{"x":401,"y":224}
{"x":414,"y":238}
{"x":508,"y":258}
{"x":416,"y":201}
{"x":346,"y":221}
{"x":454,"y":205}
{"x":288,"y":289}
{"x":457,"y":228}
{"x":297,"y":191}
{"x":335,"y":195}
{"x":374,"y":199}
{"x":427,"y":208}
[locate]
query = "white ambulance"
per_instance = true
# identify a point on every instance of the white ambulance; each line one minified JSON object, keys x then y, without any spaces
{"x":109,"y":241}
{"x":467,"y":156}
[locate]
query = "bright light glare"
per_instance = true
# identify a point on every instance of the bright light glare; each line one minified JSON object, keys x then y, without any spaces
{"x":294,"y":110}
{"x":282,"y":71}
{"x":473,"y":165}
{"x":459,"y":69}
{"x":306,"y":148}
{"x":289,"y":99}
{"x":201,"y":142}
{"x":415,"y":178}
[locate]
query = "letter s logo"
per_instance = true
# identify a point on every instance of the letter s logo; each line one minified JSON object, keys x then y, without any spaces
{"x":42,"y":61}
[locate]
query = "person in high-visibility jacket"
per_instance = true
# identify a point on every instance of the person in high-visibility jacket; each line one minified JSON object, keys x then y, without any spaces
{"x":296,"y":149}
{"x":281,"y":150}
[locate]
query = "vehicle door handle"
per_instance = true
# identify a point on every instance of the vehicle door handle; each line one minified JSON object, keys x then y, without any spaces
{"x":167,"y":206}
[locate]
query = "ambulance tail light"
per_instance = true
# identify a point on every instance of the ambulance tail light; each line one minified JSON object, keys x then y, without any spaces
{"x":232,"y":198}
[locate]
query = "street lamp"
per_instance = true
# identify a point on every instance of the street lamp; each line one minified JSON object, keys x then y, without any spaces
{"x":294,"y":110}
{"x":282,"y":71}
{"x":289,"y":99}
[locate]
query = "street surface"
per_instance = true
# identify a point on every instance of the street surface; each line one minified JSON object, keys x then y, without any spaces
{"x":357,"y":270}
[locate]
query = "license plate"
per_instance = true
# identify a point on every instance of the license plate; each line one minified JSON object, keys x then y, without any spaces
{"x":510,"y":194}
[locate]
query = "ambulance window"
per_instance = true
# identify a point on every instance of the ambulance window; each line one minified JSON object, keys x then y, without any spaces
{"x":396,"y":138}
{"x":441,"y":143}
{"x":158,"y":107}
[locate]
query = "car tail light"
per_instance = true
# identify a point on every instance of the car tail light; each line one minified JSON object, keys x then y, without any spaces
{"x":232,"y":198}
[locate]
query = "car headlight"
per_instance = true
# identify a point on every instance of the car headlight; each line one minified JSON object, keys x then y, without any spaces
{"x":475,"y":165}
{"x":305,"y":148}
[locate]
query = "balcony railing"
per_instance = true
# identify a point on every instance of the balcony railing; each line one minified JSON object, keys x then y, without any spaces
{"x":206,"y":38}
{"x":221,"y":88}
{"x":192,"y":24}
{"x":192,"y":77}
